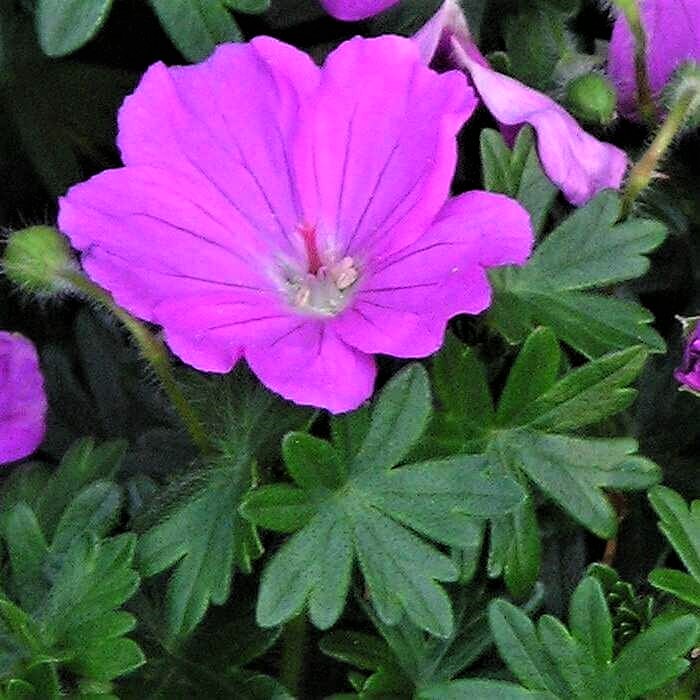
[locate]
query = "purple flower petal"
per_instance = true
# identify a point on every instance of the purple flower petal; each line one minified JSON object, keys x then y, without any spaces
{"x":407,"y":300}
{"x":376,"y":151}
{"x":352,"y":10}
{"x":263,"y":202}
{"x":574,"y":160}
{"x":311,"y":365}
{"x":673,"y":37}
{"x":688,"y":374}
{"x":22,"y":398}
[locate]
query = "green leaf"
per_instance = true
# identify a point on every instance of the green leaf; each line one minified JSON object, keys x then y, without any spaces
{"x":591,"y":624}
{"x":588,"y":250}
{"x":361,"y":650}
{"x":533,"y":373}
{"x":580,"y":664}
{"x":520,"y":647}
{"x":250,"y":6}
{"x":681,"y":525}
{"x":470,"y":689}
{"x":64,"y":26}
{"x":682,"y":585}
{"x":360,"y":510}
{"x":574,"y":471}
{"x":28,"y":551}
{"x":517,"y":173}
{"x":398,"y":420}
{"x":200,"y":531}
{"x":464,"y":397}
{"x":196,"y":26}
{"x":82,"y":464}
{"x":654,"y":657}
{"x":516,"y":549}
{"x":587,"y":395}
{"x":109,"y":659}
{"x":94,"y":511}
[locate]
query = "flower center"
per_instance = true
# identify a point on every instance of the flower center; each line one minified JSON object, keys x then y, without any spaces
{"x":324,"y":286}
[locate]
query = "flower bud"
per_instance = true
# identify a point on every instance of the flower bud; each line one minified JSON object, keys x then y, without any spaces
{"x":37,"y":258}
{"x":592,"y":98}
{"x":688,"y":374}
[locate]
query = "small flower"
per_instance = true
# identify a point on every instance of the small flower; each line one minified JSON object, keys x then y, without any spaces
{"x":353,"y":10}
{"x":672,"y":29}
{"x":579,"y":164}
{"x":688,"y":374}
{"x":296,"y":216}
{"x":22,"y":398}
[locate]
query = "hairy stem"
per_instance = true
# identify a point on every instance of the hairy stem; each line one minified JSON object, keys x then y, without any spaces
{"x":644,"y":170}
{"x":155,"y":353}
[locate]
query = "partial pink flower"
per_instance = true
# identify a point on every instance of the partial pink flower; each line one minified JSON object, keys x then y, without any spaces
{"x":688,"y":374}
{"x":22,"y":398}
{"x":672,"y":29}
{"x":296,"y":216}
{"x":353,"y":10}
{"x":579,"y":164}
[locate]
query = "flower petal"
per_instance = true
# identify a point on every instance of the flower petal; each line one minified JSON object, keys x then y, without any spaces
{"x":149,"y":234}
{"x":405,"y":305}
{"x":377,"y":148}
{"x":209,"y":330}
{"x":312,"y":366}
{"x":673,"y":36}
{"x":352,"y":10}
{"x":22,"y":398}
{"x":228,"y":120}
{"x":574,"y":160}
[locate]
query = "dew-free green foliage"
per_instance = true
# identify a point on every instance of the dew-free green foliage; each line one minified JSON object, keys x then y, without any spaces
{"x":67,"y":579}
{"x":680,"y":523}
{"x":533,"y":434}
{"x":354,"y":505}
{"x":195,"y":524}
{"x":578,"y":662}
{"x":517,"y":173}
{"x":407,"y":661}
{"x":65,"y":25}
{"x":590,"y":250}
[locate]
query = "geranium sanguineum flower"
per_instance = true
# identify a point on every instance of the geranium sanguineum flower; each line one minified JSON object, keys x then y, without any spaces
{"x":672,"y":29}
{"x":22,"y":398}
{"x":296,"y":216}
{"x":352,"y":10}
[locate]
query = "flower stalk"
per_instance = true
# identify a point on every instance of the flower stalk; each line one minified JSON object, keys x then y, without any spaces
{"x":645,"y":169}
{"x":154,"y":352}
{"x":645,"y":98}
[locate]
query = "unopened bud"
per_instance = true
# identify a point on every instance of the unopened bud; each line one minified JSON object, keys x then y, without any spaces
{"x":592,"y":98}
{"x":37,"y":259}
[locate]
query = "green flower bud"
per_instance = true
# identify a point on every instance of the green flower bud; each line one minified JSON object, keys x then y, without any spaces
{"x":37,"y":258}
{"x":592,"y":98}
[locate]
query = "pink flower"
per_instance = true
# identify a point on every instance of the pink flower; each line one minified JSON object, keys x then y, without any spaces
{"x":296,"y":216}
{"x":352,"y":10}
{"x":22,"y":398}
{"x":688,"y":374}
{"x":672,"y":29}
{"x":579,"y":164}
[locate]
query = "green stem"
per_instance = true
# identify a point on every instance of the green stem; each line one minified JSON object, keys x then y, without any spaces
{"x":154,"y":352}
{"x":294,"y":640}
{"x":645,"y":98}
{"x":644,"y":170}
